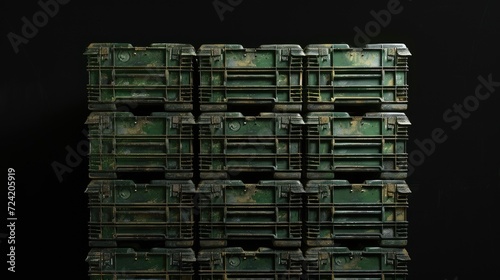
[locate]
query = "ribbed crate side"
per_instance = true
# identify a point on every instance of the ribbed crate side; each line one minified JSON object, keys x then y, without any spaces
{"x":156,"y":263}
{"x":374,"y":142}
{"x":121,"y":142}
{"x":371,"y":262}
{"x":232,"y":210}
{"x":264,"y":193}
{"x":344,"y":65}
{"x":278,"y":99}
{"x":372,"y":75}
{"x":122,"y":210}
{"x":370,"y":192}
{"x":233,"y":142}
{"x":263,"y":262}
{"x":156,"y":192}
{"x":342,"y":124}
{"x":161,"y":124}
{"x":160,"y":73}
{"x":236,"y":124}
{"x":358,"y":229}
{"x":268,"y":74}
{"x":239,"y":66}
{"x":375,"y":210}
{"x":224,"y":202}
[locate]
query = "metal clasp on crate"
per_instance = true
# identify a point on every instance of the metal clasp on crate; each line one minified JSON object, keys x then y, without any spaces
{"x":323,"y":258}
{"x":324,"y":122}
{"x":325,"y":192}
{"x":216,"y":54}
{"x":390,"y":123}
{"x":215,"y":190}
{"x":216,"y":259}
{"x":176,"y":189}
{"x":175,"y":53}
{"x":104,"y":53}
{"x":324,"y":54}
{"x":356,"y":254}
{"x":106,"y":259}
{"x":285,"y":190}
{"x":175,"y":121}
{"x":284,"y":54}
{"x":105,"y":190}
{"x":284,"y":122}
{"x":284,"y":258}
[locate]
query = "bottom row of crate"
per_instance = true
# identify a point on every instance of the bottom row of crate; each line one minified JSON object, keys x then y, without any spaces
{"x":235,"y":263}
{"x":217,"y":211}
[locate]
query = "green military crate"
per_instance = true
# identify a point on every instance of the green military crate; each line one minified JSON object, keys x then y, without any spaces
{"x":122,"y":142}
{"x":151,"y":264}
{"x":377,"y":263}
{"x":125,"y":211}
{"x":236,"y":263}
{"x":338,"y":210}
{"x":375,"y":75}
{"x":374,"y":142}
{"x":161,"y":73}
{"x":232,"y":74}
{"x":270,"y":210}
{"x":231,"y":143}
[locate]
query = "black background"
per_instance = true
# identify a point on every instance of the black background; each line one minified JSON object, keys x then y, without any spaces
{"x":453,"y":206}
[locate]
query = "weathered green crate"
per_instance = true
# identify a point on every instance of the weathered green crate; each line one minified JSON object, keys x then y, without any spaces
{"x":161,"y":73}
{"x":122,"y":210}
{"x":232,"y":210}
{"x":152,"y":264}
{"x":121,"y":142}
{"x":374,"y":210}
{"x":374,"y":142}
{"x":375,"y":75}
{"x":236,"y":263}
{"x":231,"y":143}
{"x":233,"y":74}
{"x":377,"y":263}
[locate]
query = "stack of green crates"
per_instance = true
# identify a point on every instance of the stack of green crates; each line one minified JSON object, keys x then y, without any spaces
{"x":265,"y":162}
{"x":250,"y":195}
{"x":141,"y":192}
{"x":356,"y":161}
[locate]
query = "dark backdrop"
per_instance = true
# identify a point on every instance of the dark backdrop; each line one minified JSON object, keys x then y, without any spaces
{"x":453,"y":206}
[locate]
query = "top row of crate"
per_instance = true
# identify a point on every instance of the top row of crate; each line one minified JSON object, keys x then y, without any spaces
{"x":286,"y":77}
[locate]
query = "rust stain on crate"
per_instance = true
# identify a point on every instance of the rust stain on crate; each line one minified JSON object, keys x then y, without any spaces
{"x":248,"y":194}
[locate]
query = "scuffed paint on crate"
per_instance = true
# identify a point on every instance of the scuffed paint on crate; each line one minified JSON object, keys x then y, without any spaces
{"x":232,"y":210}
{"x":233,"y":74}
{"x":338,"y":210}
{"x":231,"y":143}
{"x":125,"y":211}
{"x":375,"y":75}
{"x":120,"y":73}
{"x":374,"y":142}
{"x":122,"y":142}
{"x":237,"y":263}
{"x":326,"y":263}
{"x":129,"y":263}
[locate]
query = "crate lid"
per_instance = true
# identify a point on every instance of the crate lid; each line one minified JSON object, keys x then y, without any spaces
{"x":216,"y":49}
{"x":401,"y":49}
{"x":323,"y":49}
{"x":295,"y":49}
{"x":186,"y":49}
